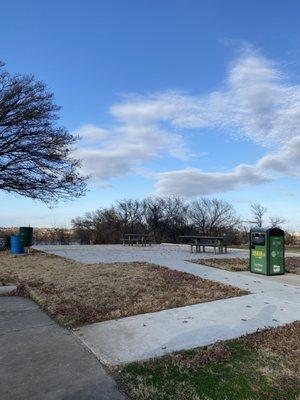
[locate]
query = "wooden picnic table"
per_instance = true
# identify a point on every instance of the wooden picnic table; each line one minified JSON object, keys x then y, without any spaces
{"x":197,"y":241}
{"x":137,"y":238}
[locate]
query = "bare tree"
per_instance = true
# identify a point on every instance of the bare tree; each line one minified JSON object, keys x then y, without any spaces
{"x":83,"y":231}
{"x":175,"y":218}
{"x":60,"y":236}
{"x":153,"y":214}
{"x":98,"y":227}
{"x":276,"y":222}
{"x":291,"y":239}
{"x":212,"y":216}
{"x":110,"y":226}
{"x":258,"y":211}
{"x":35,"y":156}
{"x":130,"y":215}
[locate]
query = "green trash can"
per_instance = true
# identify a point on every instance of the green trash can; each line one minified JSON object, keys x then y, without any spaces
{"x":26,"y":233}
{"x":267,"y":251}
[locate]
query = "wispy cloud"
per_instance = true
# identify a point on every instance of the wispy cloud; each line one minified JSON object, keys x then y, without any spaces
{"x":285,"y":161}
{"x":115,"y":152}
{"x":91,"y":132}
{"x":191,"y":182}
{"x":256,"y":102}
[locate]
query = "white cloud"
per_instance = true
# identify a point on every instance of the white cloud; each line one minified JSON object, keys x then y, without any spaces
{"x":256,"y":102}
{"x":91,"y":132}
{"x":115,"y":153}
{"x":192,"y":182}
{"x":285,"y":161}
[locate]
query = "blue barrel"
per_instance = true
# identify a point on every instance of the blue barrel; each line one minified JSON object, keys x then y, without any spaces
{"x":15,"y":245}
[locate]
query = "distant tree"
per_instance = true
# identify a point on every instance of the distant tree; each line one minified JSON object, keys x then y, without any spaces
{"x":60,"y":236}
{"x":99,"y":227}
{"x":258,"y":211}
{"x":83,"y":232}
{"x":129,"y":214}
{"x":213,"y":216}
{"x":276,"y":222}
{"x":290,"y":238}
{"x":35,"y":158}
{"x":110,"y":226}
{"x":174,"y":222}
{"x":153,"y":215}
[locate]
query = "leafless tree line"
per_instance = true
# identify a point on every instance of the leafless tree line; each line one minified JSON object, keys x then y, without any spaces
{"x":58,"y":235}
{"x":166,"y":218}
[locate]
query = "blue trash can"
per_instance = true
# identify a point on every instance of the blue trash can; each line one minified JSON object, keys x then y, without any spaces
{"x":15,"y":245}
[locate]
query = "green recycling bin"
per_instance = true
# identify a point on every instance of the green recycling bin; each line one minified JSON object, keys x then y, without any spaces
{"x":26,"y":233}
{"x":267,"y":251}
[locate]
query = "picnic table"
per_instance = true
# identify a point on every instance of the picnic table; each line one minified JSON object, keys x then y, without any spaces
{"x":198,"y":242}
{"x":137,"y":238}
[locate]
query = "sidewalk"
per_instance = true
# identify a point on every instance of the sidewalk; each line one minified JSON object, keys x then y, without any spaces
{"x":40,"y":360}
{"x":144,"y":336}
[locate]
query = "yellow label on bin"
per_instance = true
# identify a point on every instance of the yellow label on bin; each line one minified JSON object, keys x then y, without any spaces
{"x":258,"y":253}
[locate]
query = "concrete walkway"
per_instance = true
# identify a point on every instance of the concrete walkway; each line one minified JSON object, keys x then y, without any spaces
{"x":272,"y":302}
{"x":151,"y":335}
{"x":7,"y":289}
{"x":40,"y":360}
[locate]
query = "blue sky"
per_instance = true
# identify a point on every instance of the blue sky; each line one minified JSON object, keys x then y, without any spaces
{"x":170,"y":97}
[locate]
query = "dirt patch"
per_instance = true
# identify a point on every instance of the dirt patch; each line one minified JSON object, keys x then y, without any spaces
{"x":263,"y":365}
{"x":74,"y":293}
{"x":229,"y":264}
{"x":292,"y":264}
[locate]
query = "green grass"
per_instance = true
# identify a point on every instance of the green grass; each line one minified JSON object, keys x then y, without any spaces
{"x":264,"y":365}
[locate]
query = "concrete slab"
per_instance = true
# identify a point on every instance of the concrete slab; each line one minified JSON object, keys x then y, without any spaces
{"x":114,"y":253}
{"x":291,"y":279}
{"x":274,"y":301}
{"x":155,"y":334}
{"x":7,"y":289}
{"x":41,"y":360}
{"x":20,"y":320}
{"x":15,"y":303}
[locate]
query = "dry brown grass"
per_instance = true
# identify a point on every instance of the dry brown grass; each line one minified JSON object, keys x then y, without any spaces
{"x":74,"y":293}
{"x":292,"y":264}
{"x":278,"y":354}
{"x":229,"y":264}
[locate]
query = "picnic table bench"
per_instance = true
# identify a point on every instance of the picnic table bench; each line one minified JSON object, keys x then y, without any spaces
{"x":198,"y":242}
{"x":142,"y":239}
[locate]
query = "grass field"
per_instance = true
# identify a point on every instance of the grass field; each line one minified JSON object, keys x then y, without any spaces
{"x":292,"y":264}
{"x":264,"y":365}
{"x":74,"y":293}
